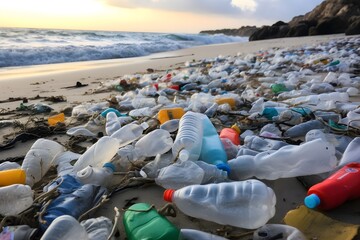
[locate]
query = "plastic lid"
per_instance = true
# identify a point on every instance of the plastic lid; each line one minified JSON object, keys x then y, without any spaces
{"x":110,"y":165}
{"x":312,"y":201}
{"x":168,"y":195}
{"x":85,"y":173}
{"x":223,"y":166}
{"x":236,"y":128}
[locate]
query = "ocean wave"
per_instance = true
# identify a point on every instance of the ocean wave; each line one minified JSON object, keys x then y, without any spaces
{"x":32,"y":47}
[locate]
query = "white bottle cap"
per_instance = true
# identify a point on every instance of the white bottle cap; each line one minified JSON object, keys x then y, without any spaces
{"x":85,"y":173}
{"x":184,"y":155}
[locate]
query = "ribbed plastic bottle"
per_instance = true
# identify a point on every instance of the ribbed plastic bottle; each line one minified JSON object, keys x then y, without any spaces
{"x":142,"y":221}
{"x":39,"y":159}
{"x":188,"y":141}
{"x":247,"y":204}
{"x":233,"y":134}
{"x":12,"y":176}
{"x":97,"y":176}
{"x":167,"y":114}
{"x":317,"y":156}
{"x":129,"y":133}
{"x":98,"y":154}
{"x":340,"y":187}
{"x":65,"y":227}
{"x":15,"y":199}
{"x":212,"y":150}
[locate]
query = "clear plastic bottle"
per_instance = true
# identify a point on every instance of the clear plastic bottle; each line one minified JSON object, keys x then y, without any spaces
{"x":212,"y":150}
{"x":247,"y":204}
{"x":301,"y":129}
{"x":98,"y":154}
{"x":65,"y":227}
{"x":39,"y":159}
{"x":260,"y":144}
{"x":151,"y":169}
{"x":97,"y":176}
{"x":156,"y":142}
{"x":188,"y":141}
{"x":15,"y":199}
{"x":317,"y":156}
{"x":112,"y":123}
{"x":351,"y":153}
{"x":170,"y":125}
{"x":129,"y":133}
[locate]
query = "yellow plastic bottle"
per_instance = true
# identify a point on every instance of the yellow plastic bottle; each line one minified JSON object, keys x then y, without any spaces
{"x":230,"y":101}
{"x":167,"y":114}
{"x":12,"y":176}
{"x":53,"y":120}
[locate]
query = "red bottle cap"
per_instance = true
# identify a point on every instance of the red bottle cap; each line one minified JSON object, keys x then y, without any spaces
{"x":175,"y":87}
{"x":156,"y":86}
{"x":168,"y":194}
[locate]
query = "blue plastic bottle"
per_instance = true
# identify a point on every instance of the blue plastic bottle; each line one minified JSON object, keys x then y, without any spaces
{"x":74,"y":199}
{"x":212,"y":150}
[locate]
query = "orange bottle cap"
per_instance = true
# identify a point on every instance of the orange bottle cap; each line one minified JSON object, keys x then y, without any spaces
{"x":236,"y":128}
{"x":168,"y":194}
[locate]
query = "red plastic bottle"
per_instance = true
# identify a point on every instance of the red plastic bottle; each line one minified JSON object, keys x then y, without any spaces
{"x":232,"y":134}
{"x":335,"y":190}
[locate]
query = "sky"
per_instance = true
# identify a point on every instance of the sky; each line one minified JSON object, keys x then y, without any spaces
{"x":172,"y":16}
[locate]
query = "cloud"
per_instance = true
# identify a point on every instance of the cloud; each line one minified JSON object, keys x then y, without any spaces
{"x":261,"y":9}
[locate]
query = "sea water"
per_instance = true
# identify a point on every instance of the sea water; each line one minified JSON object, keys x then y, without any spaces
{"x":26,"y":46}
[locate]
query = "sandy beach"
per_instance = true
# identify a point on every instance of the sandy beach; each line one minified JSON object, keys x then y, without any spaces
{"x":52,"y":80}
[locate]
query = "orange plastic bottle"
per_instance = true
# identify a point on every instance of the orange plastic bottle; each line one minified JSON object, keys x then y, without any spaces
{"x":53,"y":120}
{"x":167,"y":114}
{"x":335,"y":190}
{"x":12,"y":176}
{"x":232,"y":134}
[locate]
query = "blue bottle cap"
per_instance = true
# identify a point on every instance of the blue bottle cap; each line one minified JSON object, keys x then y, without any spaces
{"x":312,"y":201}
{"x":223,"y":166}
{"x":109,"y":165}
{"x":118,"y":114}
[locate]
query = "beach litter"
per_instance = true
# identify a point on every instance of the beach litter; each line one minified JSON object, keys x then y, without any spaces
{"x":217,"y":134}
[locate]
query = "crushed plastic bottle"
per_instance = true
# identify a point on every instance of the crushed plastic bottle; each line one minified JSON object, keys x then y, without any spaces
{"x":15,"y":198}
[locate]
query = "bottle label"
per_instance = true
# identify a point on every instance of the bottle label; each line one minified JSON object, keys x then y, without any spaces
{"x":342,"y":174}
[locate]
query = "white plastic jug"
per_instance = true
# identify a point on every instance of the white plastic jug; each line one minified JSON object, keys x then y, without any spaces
{"x":15,"y":199}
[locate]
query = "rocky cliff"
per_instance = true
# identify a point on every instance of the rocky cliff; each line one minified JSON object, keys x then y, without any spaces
{"x":245,"y":31}
{"x":330,"y":17}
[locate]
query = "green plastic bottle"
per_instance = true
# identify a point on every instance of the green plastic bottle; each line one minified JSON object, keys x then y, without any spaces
{"x":142,"y":222}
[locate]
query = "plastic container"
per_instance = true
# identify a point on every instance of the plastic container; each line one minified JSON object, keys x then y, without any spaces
{"x":233,"y":134}
{"x":260,"y":144}
{"x":171,"y":125}
{"x":9,"y":165}
{"x":142,"y":221}
{"x":53,"y":120}
{"x":129,"y":133}
{"x":15,"y":198}
{"x":98,"y":154}
{"x":12,"y":176}
{"x":97,"y":176}
{"x":192,"y":234}
{"x":340,"y":187}
{"x":274,"y":231}
{"x":156,"y":142}
{"x":18,"y":232}
{"x":65,"y":227}
{"x":351,"y":153}
{"x":188,"y":141}
{"x":98,"y":228}
{"x":74,"y":199}
{"x":230,"y":101}
{"x":151,"y":169}
{"x":317,"y":156}
{"x":39,"y":159}
{"x":301,"y":129}
{"x":169,"y":114}
{"x":112,"y":123}
{"x":212,"y":150}
{"x":247,"y":204}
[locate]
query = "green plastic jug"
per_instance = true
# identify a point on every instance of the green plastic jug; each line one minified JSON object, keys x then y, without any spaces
{"x":143,"y":222}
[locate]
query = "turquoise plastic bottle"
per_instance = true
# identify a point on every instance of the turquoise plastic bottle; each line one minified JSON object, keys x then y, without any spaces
{"x":142,"y":222}
{"x":212,"y":150}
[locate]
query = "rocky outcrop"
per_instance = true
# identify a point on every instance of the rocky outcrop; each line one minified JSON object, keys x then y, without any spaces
{"x":330,"y":17}
{"x":245,"y":31}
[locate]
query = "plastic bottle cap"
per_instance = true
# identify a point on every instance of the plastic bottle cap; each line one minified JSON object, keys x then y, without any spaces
{"x":236,"y":128}
{"x":110,"y":166}
{"x":223,"y":166}
{"x":168,"y":195}
{"x":85,"y":173}
{"x":312,"y":201}
{"x":144,"y":125}
{"x":184,"y":155}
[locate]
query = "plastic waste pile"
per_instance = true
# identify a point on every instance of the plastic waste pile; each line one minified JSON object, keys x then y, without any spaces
{"x":214,"y":134}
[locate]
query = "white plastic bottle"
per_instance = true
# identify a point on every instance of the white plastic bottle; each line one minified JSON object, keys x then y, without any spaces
{"x":65,"y":227}
{"x":192,"y":234}
{"x":39,"y":159}
{"x":156,"y":142}
{"x":188,"y":141}
{"x":112,"y":123}
{"x":317,"y":156}
{"x":129,"y":133}
{"x":247,"y":204}
{"x":98,"y":154}
{"x":270,"y":231}
{"x":15,"y":199}
{"x":97,"y":176}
